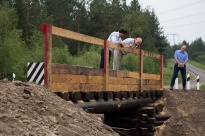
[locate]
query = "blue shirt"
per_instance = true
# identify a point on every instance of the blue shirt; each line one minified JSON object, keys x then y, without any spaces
{"x":115,"y":38}
{"x":181,"y":56}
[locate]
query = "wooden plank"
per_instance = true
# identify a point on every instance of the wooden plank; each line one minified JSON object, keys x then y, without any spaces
{"x":141,"y":69}
{"x":161,"y":72}
{"x":93,"y":87}
{"x":76,"y":36}
{"x":106,"y":66}
{"x":58,"y":78}
{"x":151,"y":82}
{"x":117,"y":88}
{"x":117,"y":46}
{"x":96,"y":79}
{"x":65,"y":87}
{"x":76,"y":70}
{"x":151,"y":76}
{"x":116,"y":80}
{"x":134,"y":75}
{"x":76,"y":78}
{"x":151,"y":54}
{"x":149,"y":87}
{"x":129,"y":81}
{"x":76,"y":87}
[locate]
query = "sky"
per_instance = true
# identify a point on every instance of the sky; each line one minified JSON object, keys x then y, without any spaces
{"x":180,"y":19}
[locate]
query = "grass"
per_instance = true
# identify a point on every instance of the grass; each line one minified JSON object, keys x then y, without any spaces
{"x":196,"y":64}
{"x":202,"y":87}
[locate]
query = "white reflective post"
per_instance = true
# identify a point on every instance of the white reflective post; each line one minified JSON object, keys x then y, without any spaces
{"x":176,"y":83}
{"x":14,"y":76}
{"x":197,"y":84}
{"x":188,"y":81}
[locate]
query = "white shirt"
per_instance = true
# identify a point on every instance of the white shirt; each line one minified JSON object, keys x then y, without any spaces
{"x":128,"y":42}
{"x":115,"y":38}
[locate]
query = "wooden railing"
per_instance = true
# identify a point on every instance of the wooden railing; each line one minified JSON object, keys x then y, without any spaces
{"x":49,"y":30}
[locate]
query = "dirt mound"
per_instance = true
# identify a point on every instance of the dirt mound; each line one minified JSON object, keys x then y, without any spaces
{"x":30,"y":110}
{"x":187,"y":109}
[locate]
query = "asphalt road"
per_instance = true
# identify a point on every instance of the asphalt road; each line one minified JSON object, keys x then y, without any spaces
{"x":196,"y":72}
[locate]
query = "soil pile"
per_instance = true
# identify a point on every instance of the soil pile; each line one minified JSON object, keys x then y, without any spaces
{"x":187,"y":109}
{"x":30,"y":110}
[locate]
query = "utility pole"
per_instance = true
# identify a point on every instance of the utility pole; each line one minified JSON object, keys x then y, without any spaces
{"x":172,"y":35}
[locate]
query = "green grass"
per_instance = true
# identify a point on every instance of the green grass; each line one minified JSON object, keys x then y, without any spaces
{"x":202,"y":87}
{"x":196,"y":64}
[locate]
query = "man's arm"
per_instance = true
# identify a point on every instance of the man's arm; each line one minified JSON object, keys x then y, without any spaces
{"x":179,"y":64}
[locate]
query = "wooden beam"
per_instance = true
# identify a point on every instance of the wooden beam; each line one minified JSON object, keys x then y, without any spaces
{"x":151,"y":54}
{"x":106,"y":66}
{"x":134,"y":75}
{"x":141,"y":70}
{"x":76,"y":36}
{"x":161,"y":72}
{"x":47,"y":30}
{"x":151,"y":76}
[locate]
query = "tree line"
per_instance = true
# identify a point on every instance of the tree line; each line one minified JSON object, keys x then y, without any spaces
{"x":194,"y":49}
{"x":21,"y":40}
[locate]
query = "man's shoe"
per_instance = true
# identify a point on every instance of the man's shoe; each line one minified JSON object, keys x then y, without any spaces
{"x":185,"y":89}
{"x":171,"y":88}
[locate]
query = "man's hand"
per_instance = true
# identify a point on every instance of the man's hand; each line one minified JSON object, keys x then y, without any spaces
{"x":180,"y":65}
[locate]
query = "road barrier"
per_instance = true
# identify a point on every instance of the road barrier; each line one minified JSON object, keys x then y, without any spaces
{"x":176,"y":86}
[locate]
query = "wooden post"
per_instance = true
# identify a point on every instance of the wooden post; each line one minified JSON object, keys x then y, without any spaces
{"x":47,"y":30}
{"x":141,"y":69}
{"x":161,"y":72}
{"x":106,"y":65}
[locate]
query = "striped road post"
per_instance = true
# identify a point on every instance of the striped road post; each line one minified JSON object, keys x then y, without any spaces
{"x":176,"y":84}
{"x":197,"y":84}
{"x":35,"y":72}
{"x":188,"y":81}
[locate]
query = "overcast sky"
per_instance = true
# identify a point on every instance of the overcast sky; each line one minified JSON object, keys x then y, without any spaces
{"x":180,"y":19}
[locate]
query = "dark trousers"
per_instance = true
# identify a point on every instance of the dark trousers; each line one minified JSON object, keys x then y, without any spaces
{"x":102,"y":57}
{"x":183,"y":73}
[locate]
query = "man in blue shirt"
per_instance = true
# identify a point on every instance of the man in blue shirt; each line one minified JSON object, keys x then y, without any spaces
{"x":114,"y":37}
{"x":118,"y":55}
{"x":181,"y":57}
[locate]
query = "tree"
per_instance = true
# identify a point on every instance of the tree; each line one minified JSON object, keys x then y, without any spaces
{"x":12,"y":48}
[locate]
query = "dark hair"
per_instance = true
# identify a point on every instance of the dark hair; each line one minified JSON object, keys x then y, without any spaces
{"x":123,"y":31}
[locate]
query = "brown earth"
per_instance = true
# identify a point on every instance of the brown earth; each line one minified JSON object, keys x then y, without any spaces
{"x":187,"y":109}
{"x":30,"y":110}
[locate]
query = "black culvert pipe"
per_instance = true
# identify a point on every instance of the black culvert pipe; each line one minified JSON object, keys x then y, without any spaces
{"x":103,"y":106}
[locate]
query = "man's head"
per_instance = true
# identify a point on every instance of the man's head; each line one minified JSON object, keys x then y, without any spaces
{"x":183,"y":47}
{"x":138,"y":41}
{"x":122,"y":33}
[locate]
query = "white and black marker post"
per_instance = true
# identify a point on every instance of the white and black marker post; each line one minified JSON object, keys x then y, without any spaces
{"x":188,"y":81}
{"x":197,"y":84}
{"x":14,"y":76}
{"x":176,"y":83}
